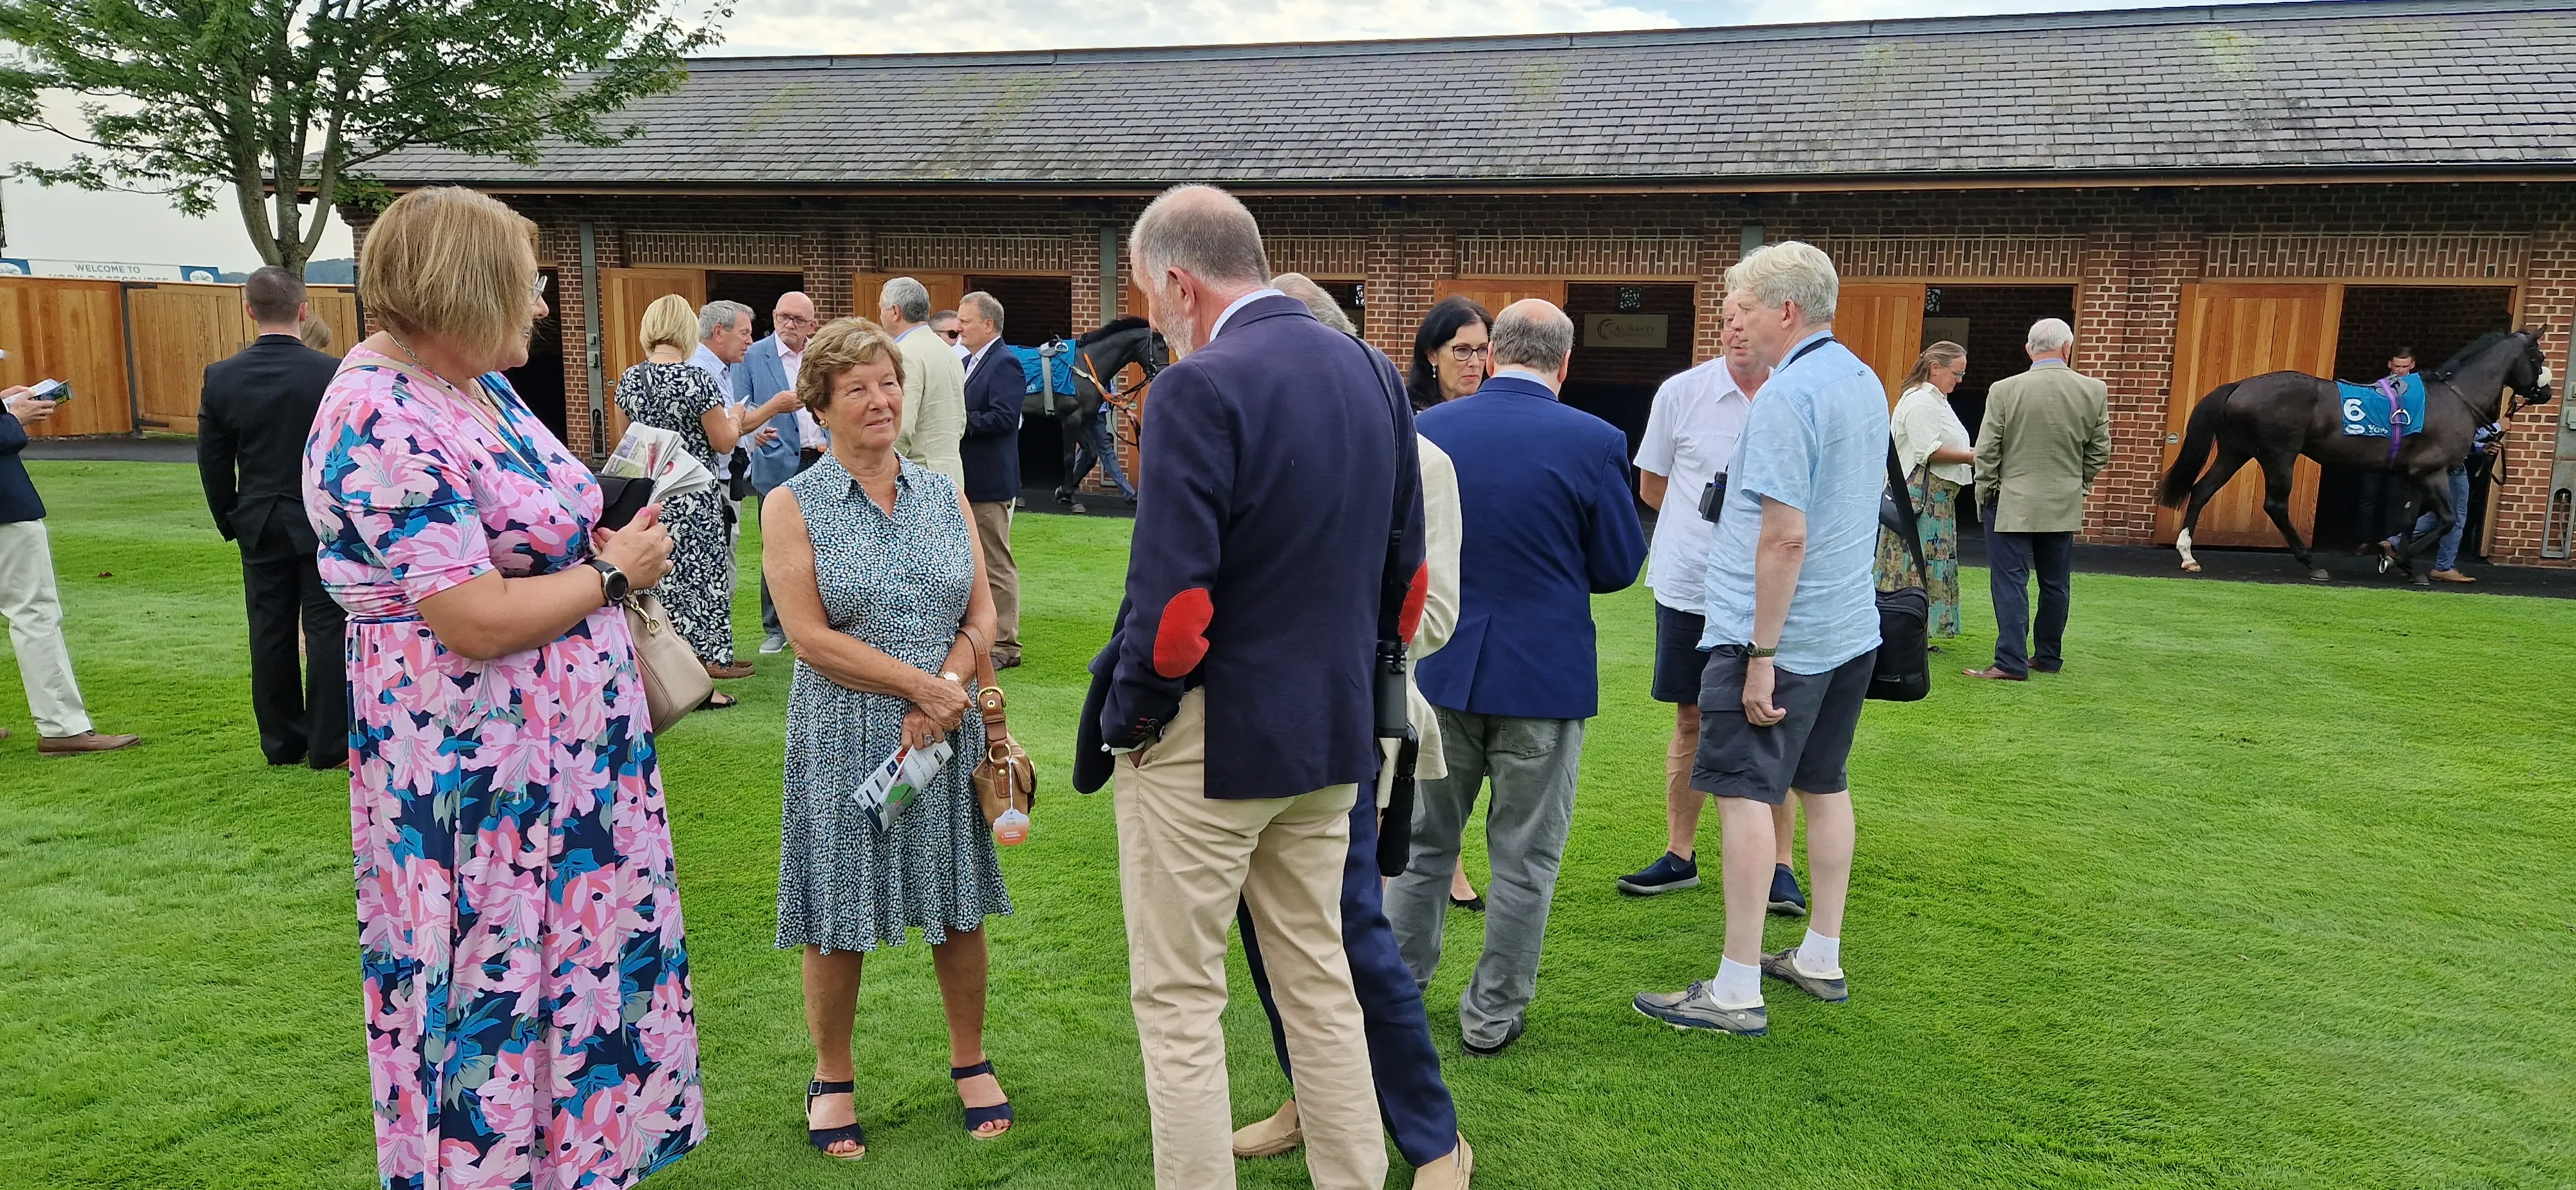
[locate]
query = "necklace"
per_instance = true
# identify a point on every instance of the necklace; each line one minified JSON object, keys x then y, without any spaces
{"x":481,"y":400}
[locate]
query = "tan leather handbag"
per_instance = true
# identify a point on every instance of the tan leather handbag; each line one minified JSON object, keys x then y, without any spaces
{"x":675,"y":683}
{"x":1006,"y":780}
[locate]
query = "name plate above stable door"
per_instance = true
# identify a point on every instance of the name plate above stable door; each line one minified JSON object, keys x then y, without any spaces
{"x":1646,"y":331}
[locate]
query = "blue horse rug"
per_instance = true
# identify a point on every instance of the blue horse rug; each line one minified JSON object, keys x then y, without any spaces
{"x":1048,"y":374}
{"x":2391,"y":409}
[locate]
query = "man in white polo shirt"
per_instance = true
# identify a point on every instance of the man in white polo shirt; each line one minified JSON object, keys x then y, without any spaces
{"x":1689,"y":437}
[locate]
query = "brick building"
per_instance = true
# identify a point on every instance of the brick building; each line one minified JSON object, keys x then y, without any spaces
{"x":2206,"y":193}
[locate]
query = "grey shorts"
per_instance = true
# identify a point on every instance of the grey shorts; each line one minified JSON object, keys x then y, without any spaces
{"x":1678,"y":661}
{"x":1808,"y":751}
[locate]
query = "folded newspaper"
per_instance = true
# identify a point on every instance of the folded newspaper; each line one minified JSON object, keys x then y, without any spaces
{"x":660,"y":456}
{"x":888,"y":790}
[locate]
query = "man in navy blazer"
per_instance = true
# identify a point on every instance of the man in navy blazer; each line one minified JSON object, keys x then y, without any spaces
{"x":779,"y":448}
{"x":990,"y":452}
{"x":1278,"y":538}
{"x":1543,"y":499}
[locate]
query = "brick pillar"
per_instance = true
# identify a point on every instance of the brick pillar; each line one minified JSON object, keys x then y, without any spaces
{"x":1721,"y":244}
{"x":2128,"y":304}
{"x":1084,"y":253}
{"x":824,"y":259}
{"x":2531,"y":440}
{"x":1407,"y":255}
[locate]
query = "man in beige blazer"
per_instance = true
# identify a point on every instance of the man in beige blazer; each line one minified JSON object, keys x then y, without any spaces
{"x":934,"y":383}
{"x":2047,"y":433}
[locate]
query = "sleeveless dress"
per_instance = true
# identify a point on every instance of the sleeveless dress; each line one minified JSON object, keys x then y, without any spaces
{"x":526,"y":986}
{"x":699,"y":590}
{"x":899,"y":583}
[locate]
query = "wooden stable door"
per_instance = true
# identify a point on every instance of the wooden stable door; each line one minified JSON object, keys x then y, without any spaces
{"x":624,"y":296}
{"x":1494,"y":294}
{"x":1882,"y":323}
{"x":2229,"y":332}
{"x":946,"y":290}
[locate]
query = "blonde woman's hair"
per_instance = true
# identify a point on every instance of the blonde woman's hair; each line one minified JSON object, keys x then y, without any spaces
{"x":842,"y":344}
{"x":1939,"y":355}
{"x":451,"y":262}
{"x":315,"y":332}
{"x":670,"y":322}
{"x":1318,"y":303}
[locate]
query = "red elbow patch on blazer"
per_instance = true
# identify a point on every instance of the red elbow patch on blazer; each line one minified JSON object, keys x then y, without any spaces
{"x":1414,"y":593}
{"x":1181,"y":642}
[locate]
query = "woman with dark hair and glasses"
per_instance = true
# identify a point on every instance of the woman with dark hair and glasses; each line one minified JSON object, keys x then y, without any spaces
{"x":1451,"y":354}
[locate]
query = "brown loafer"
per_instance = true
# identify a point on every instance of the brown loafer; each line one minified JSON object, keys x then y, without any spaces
{"x":1448,"y":1173}
{"x":1271,"y":1137}
{"x":726,"y":673}
{"x":87,"y":741}
{"x":2451,"y":576}
{"x":1994,"y":674}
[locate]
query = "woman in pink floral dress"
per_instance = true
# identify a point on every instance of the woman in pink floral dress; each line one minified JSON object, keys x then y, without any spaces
{"x":526,"y":986}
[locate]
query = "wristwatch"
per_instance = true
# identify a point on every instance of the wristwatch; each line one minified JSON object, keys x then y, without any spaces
{"x":1759,"y":651}
{"x":612,"y":581}
{"x":950,"y":675}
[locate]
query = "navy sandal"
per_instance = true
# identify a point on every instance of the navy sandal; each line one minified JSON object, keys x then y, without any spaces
{"x":824,"y":1138}
{"x":977,"y":1117}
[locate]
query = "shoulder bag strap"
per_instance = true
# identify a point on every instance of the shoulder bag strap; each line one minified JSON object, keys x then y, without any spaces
{"x":1390,"y":611}
{"x":1904,"y":498}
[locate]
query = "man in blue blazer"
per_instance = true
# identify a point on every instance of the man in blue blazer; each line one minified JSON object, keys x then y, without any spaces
{"x":779,"y":448}
{"x":1548,"y":523}
{"x":1277,"y":541}
{"x":996,"y":386}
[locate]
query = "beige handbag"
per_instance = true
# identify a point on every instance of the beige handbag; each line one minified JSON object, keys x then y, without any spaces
{"x":1005,"y":780}
{"x":675,"y":683}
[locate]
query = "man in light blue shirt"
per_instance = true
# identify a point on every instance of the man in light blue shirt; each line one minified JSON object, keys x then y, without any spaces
{"x":1792,"y":631}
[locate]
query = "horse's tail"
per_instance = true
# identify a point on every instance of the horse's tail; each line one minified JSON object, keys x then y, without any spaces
{"x":2196,"y":443}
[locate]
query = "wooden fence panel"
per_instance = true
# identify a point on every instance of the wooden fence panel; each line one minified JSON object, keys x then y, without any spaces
{"x":178,"y":330}
{"x":72,"y":331}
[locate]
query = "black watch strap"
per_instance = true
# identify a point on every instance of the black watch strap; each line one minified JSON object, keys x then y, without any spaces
{"x":613,"y":584}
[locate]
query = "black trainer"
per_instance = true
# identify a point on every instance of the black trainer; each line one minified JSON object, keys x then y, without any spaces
{"x":1669,"y":873}
{"x":1786,"y":898}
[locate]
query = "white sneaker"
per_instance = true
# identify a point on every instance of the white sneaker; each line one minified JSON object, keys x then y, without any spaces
{"x":773,"y":644}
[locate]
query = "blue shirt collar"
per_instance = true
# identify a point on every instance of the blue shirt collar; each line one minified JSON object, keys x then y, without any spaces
{"x":2037,"y":364}
{"x":1794,"y":348}
{"x":1239,"y":303}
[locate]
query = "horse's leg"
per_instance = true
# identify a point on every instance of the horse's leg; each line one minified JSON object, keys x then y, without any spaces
{"x":2277,"y":473}
{"x":2224,"y":469}
{"x":2437,"y":508}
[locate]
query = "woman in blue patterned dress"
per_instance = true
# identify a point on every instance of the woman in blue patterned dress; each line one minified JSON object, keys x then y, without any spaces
{"x":526,"y":985}
{"x":873,"y":564}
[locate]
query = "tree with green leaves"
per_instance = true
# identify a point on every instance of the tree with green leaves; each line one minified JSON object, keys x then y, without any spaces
{"x":283,"y":102}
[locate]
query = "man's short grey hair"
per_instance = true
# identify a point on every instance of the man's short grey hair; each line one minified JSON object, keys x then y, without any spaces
{"x":909,"y":298}
{"x":1319,"y":303}
{"x":1202,"y":229}
{"x":987,"y":305}
{"x":1789,"y":271}
{"x":1539,"y":341}
{"x":717,"y":315}
{"x":2050,"y":336}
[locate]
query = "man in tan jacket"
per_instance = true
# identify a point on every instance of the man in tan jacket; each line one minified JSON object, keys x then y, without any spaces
{"x":934,"y":383}
{"x":2047,"y":433}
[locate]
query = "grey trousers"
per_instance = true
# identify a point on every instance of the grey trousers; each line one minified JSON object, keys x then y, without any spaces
{"x":1533,"y":764}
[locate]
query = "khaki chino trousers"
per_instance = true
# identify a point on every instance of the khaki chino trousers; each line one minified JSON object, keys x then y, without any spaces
{"x":35,"y":615}
{"x":1001,"y":573}
{"x":1183,"y":861}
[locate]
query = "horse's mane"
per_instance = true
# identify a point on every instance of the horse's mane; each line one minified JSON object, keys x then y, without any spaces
{"x":2460,"y":359}
{"x":1119,"y":327}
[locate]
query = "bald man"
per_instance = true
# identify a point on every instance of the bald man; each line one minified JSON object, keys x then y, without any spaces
{"x":1547,"y":524}
{"x":789,"y":442}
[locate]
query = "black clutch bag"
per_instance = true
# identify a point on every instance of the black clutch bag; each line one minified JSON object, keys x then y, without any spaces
{"x":620,"y":498}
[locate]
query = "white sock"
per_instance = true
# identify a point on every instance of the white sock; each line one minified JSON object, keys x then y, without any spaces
{"x":1737,"y":985}
{"x":1820,"y":956}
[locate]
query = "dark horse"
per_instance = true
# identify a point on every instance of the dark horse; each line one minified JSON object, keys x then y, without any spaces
{"x":2274,"y":418}
{"x":1098,"y":357}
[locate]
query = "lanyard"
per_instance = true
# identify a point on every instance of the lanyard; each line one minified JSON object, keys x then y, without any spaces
{"x":1801,"y":353}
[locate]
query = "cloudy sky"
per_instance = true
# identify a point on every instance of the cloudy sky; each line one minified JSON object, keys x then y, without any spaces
{"x":77,"y":225}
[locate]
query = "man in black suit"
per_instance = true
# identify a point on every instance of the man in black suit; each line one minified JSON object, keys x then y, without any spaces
{"x":257,"y":411}
{"x":995,"y":387}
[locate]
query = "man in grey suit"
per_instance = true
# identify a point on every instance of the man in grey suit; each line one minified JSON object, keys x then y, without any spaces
{"x":2047,"y":433}
{"x":784,"y":444}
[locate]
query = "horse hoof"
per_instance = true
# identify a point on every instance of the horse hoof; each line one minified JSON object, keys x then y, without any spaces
{"x":2319,"y":576}
{"x":2423,"y":580}
{"x":2193,"y":567}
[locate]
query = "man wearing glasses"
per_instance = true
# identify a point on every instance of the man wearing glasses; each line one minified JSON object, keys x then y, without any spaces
{"x":789,"y":442}
{"x":944,"y":324}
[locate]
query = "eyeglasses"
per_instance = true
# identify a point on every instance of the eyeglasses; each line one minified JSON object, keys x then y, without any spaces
{"x":792,"y":320}
{"x":951,"y":336}
{"x":537,"y":288}
{"x":1468,"y":355}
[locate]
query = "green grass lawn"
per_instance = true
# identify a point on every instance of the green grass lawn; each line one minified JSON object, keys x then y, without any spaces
{"x":2270,"y":888}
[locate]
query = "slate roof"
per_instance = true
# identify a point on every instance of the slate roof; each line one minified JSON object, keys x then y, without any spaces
{"x":2353,"y":87}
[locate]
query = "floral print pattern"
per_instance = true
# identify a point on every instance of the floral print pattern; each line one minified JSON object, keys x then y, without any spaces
{"x":1936,"y":503}
{"x":528,"y":1012}
{"x":699,"y":590}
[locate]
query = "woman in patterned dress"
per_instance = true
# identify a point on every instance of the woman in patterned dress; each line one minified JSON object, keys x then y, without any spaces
{"x":873,"y":565}
{"x":526,"y":985}
{"x":1932,"y":446}
{"x":667,"y":392}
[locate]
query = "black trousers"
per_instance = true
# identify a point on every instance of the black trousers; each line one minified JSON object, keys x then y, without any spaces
{"x":302,"y":709}
{"x":2020,"y":644}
